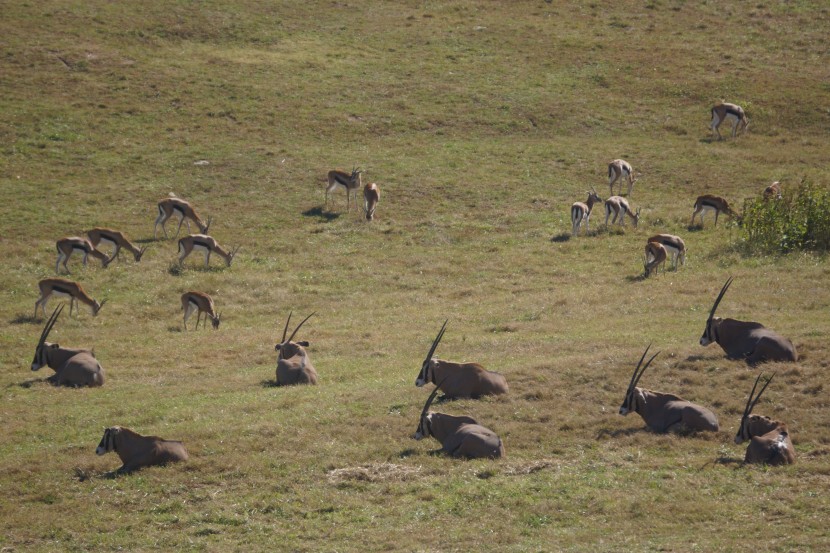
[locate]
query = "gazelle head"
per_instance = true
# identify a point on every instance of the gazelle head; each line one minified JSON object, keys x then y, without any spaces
{"x":231,"y":255}
{"x":96,"y":306}
{"x":593,"y":197}
{"x":426,"y":373}
{"x":633,"y":395}
{"x":424,"y":423}
{"x":637,"y":216}
{"x":287,"y":348}
{"x":744,"y":432}
{"x":40,"y":351}
{"x":215,"y":321}
{"x":207,"y":225}
{"x":137,"y":255}
{"x":712,"y":323}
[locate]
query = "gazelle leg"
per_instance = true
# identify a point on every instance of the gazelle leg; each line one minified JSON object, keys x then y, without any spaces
{"x":207,"y":258}
{"x":179,"y":228}
{"x":716,"y":217}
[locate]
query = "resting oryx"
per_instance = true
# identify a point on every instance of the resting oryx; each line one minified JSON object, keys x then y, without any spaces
{"x":734,"y":113}
{"x":459,"y":436}
{"x":73,"y":367}
{"x":665,"y":412}
{"x":138,"y":451}
{"x":581,"y":212}
{"x":746,"y":340}
{"x":769,"y":440}
{"x":459,"y":379}
{"x":293,"y":364}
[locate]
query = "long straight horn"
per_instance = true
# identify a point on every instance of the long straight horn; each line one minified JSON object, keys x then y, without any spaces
{"x":53,"y":318}
{"x":436,"y":341}
{"x":720,"y":297}
{"x":755,"y":401}
{"x":637,"y":368}
{"x":285,"y":330}
{"x":747,"y":407}
{"x":637,"y":380}
{"x":298,"y":327}
{"x":431,"y":398}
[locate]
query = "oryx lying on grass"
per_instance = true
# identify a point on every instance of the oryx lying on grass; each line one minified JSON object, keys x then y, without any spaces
{"x":620,"y":169}
{"x":769,"y":440}
{"x":207,"y":245}
{"x":201,"y":303}
{"x":459,"y":379}
{"x":674,"y":245}
{"x":654,"y":256}
{"x":71,"y":244}
{"x":459,"y":436}
{"x":293,"y":364}
{"x":173,"y":205}
{"x":350,"y":181}
{"x":734,"y":113}
{"x":62,"y":287}
{"x":137,"y":451}
{"x":581,"y":212}
{"x":744,"y":339}
{"x":371,"y":197}
{"x":665,"y":412}
{"x":620,"y":208}
{"x":73,"y":367}
{"x":117,"y":240}
{"x":708,"y":202}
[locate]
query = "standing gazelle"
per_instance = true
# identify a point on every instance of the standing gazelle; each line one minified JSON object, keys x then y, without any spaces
{"x":734,"y":113}
{"x":664,"y":412}
{"x":581,"y":212}
{"x":619,"y":206}
{"x":674,"y":245}
{"x":201,"y":303}
{"x":769,"y":440}
{"x":207,"y":245}
{"x":293,"y":364}
{"x":773,"y":191}
{"x":136,"y":451}
{"x":115,"y":239}
{"x":708,"y":202}
{"x":620,"y":169}
{"x":746,"y":340}
{"x":73,"y":367}
{"x":67,"y":246}
{"x":371,"y":197}
{"x":655,"y":255}
{"x":173,"y":205}
{"x":62,"y":287}
{"x":350,"y":181}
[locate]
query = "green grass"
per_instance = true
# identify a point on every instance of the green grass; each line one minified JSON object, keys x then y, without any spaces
{"x":481,"y":122}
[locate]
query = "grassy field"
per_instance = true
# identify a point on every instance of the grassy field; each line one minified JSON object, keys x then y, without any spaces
{"x":482,"y":122}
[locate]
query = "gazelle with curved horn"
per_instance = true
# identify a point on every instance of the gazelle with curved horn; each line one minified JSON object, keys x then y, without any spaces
{"x":581,"y":212}
{"x":709,"y":202}
{"x":293,"y":364}
{"x":459,"y":436}
{"x":620,"y":208}
{"x":71,"y":244}
{"x":207,"y":245}
{"x":350,"y":181}
{"x":654,"y":256}
{"x":371,"y":197}
{"x":459,"y":379}
{"x":769,"y":440}
{"x":73,"y":367}
{"x":620,"y":169}
{"x":664,"y":412}
{"x":675,"y":246}
{"x":137,"y":451}
{"x":732,"y":112}
{"x":115,"y":239}
{"x":201,"y":303}
{"x":176,"y":206}
{"x":62,"y":287}
{"x":746,"y":340}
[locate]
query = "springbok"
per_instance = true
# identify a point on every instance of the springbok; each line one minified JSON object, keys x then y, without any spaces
{"x":734,"y":113}
{"x":769,"y":440}
{"x":173,"y":205}
{"x":674,"y":245}
{"x":371,"y":197}
{"x":67,"y":246}
{"x":116,"y":240}
{"x":459,"y":379}
{"x":62,"y":287}
{"x":665,"y":412}
{"x":619,"y":206}
{"x":581,"y":212}
{"x":655,"y":255}
{"x":137,"y":451}
{"x":293,"y":364}
{"x":708,"y":202}
{"x":773,"y":191}
{"x":201,"y":303}
{"x":459,"y":436}
{"x":620,"y":169}
{"x":746,"y":340}
{"x":351,"y":182}
{"x":206,"y":244}
{"x":73,"y":367}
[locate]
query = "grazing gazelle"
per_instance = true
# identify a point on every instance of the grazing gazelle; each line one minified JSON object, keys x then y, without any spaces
{"x":73,"y":367}
{"x":708,"y":202}
{"x":371,"y":197}
{"x":117,"y":240}
{"x":459,"y":436}
{"x":655,"y":255}
{"x":351,"y":182}
{"x":137,"y":451}
{"x":293,"y":364}
{"x":746,"y":340}
{"x":620,"y":169}
{"x":735,"y":114}
{"x":459,"y":379}
{"x":201,"y":303}
{"x":619,"y":206}
{"x":773,"y":191}
{"x":664,"y":412}
{"x":769,"y":440}
{"x":207,"y":245}
{"x":62,"y":287}
{"x":581,"y":212}
{"x":674,"y":245}
{"x":67,"y":246}
{"x":173,"y":205}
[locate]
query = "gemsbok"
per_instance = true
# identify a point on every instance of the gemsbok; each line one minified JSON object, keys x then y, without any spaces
{"x":137,"y":451}
{"x":619,"y":206}
{"x":655,"y":255}
{"x":459,"y":436}
{"x":293,"y":364}
{"x":351,"y":182}
{"x":734,"y":113}
{"x":371,"y":197}
{"x":116,"y":240}
{"x":665,"y":412}
{"x":65,"y":288}
{"x":173,"y":205}
{"x":769,"y":440}
{"x":71,"y":244}
{"x":620,"y":169}
{"x":205,"y":244}
{"x":773,"y":191}
{"x":746,"y":340}
{"x":674,"y":245}
{"x":201,"y":303}
{"x":73,"y":367}
{"x":459,"y":380}
{"x":581,"y":212}
{"x":708,"y":202}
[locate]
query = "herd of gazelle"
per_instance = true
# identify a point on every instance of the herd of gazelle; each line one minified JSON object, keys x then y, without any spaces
{"x":352,"y":182}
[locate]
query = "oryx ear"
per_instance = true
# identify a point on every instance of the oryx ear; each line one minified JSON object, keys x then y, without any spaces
{"x":304,"y":343}
{"x":277,"y":347}
{"x":54,"y":346}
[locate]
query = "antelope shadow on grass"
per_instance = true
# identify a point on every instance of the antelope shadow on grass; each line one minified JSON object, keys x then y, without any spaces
{"x":318,"y":212}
